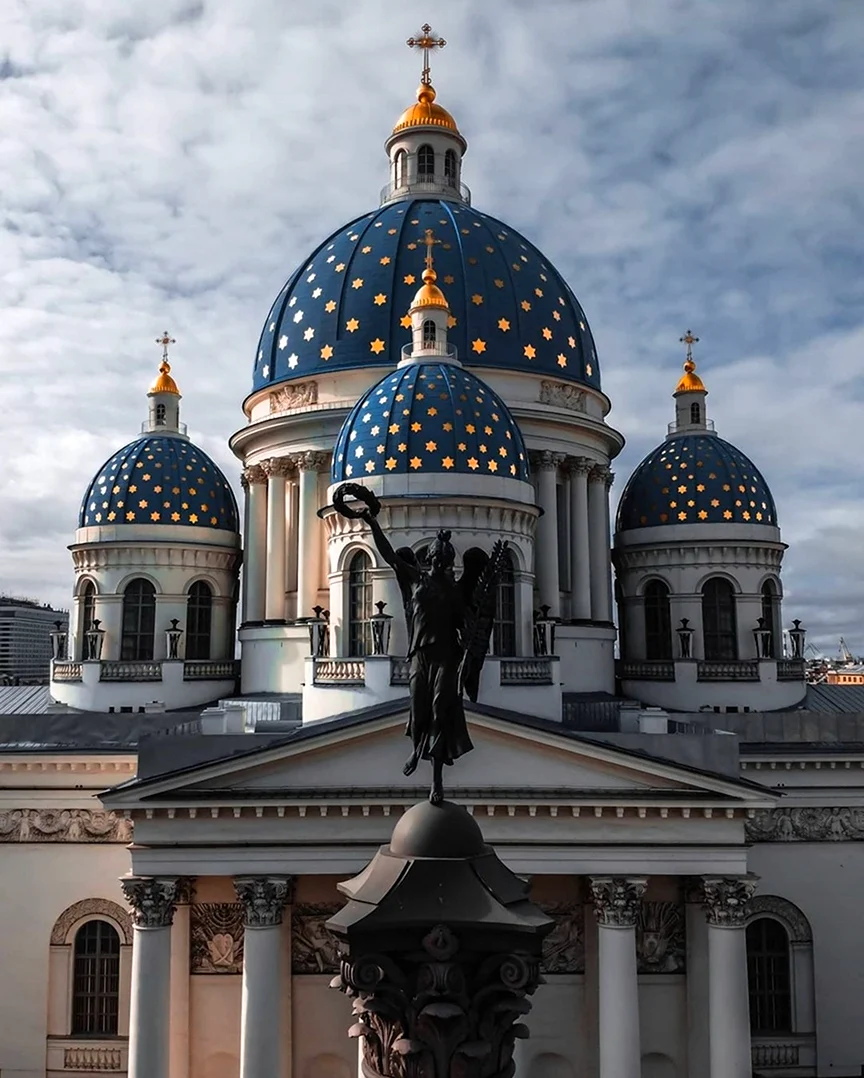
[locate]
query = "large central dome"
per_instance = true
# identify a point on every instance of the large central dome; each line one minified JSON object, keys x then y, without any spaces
{"x":346,"y":306}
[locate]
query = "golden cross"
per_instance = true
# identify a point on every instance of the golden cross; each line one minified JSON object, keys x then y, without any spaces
{"x":165,"y":340}
{"x":428,"y":238}
{"x":689,"y":340}
{"x":427,"y":41}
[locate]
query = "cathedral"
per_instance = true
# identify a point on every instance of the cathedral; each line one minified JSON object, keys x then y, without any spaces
{"x":226,"y":740}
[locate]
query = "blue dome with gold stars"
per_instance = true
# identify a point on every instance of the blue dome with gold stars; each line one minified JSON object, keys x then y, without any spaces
{"x":695,"y":479}
{"x":346,"y":305}
{"x":430,"y":417}
{"x":160,"y":479}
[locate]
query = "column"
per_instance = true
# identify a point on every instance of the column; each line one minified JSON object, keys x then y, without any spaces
{"x":598,"y":545}
{"x":580,"y":544}
{"x":152,"y":902}
{"x":274,"y":607}
{"x":728,"y":1004}
{"x":178,"y":1062}
{"x":696,"y":937}
{"x":546,"y":542}
{"x":291,"y":543}
{"x":308,"y":536}
{"x":264,"y":899}
{"x":616,"y":905}
{"x":255,"y":554}
{"x":244,"y":600}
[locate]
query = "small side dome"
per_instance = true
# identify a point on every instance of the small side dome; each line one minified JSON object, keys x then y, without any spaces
{"x":164,"y":382}
{"x":690,"y":382}
{"x":425,"y":113}
{"x":429,"y":294}
{"x":695,"y":479}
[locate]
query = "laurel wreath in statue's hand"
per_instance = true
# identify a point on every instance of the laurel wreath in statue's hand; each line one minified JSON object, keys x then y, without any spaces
{"x":361,"y":494}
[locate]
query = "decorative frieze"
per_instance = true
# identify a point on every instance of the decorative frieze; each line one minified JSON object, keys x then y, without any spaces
{"x":564,"y":947}
{"x":313,"y":949}
{"x":296,"y":395}
{"x":806,"y":825}
{"x":216,"y":937}
{"x":91,"y":907}
{"x":63,"y":825}
{"x":660,"y":942}
{"x":264,"y":899}
{"x":562,"y":395}
{"x":617,"y":899}
{"x":152,"y":899}
{"x":726,"y":898}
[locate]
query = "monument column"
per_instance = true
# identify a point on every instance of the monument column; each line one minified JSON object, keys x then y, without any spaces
{"x":598,"y":526}
{"x":616,"y":904}
{"x":580,"y":541}
{"x":255,"y":554}
{"x":726,"y":901}
{"x":264,"y":899}
{"x":152,"y":901}
{"x":277,"y":469}
{"x":308,"y":535}
{"x":546,"y":541}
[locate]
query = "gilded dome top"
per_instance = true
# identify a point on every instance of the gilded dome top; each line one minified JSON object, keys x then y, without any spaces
{"x":164,"y":382}
{"x":690,"y":382}
{"x":425,"y":112}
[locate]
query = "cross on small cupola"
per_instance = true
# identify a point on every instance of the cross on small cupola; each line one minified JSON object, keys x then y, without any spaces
{"x":426,"y":41}
{"x":690,"y":395}
{"x":164,"y":396}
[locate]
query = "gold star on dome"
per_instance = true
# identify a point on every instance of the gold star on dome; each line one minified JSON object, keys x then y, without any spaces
{"x":357,"y":282}
{"x":476,"y":299}
{"x":682,"y":489}
{"x":547,"y":333}
{"x":391,"y":231}
{"x":405,"y":321}
{"x":133,"y":488}
{"x":589,"y":370}
{"x":529,"y":351}
{"x":502,"y":451}
{"x":538,"y":292}
{"x":142,"y":504}
{"x":390,"y":463}
{"x":525,"y":305}
{"x":365,"y":250}
{"x":473,"y":464}
{"x":461,"y":447}
{"x":193,"y":518}
{"x":376,"y":346}
{"x":498,"y":282}
{"x":370,"y":466}
{"x":339,"y":267}
{"x":682,"y":515}
{"x":432,"y":411}
{"x":492,"y":465}
{"x":470,"y":428}
{"x":154,"y":515}
{"x":415,"y":426}
{"x":401,"y":447}
{"x":130,"y":515}
{"x":352,"y":325}
{"x":447,"y":426}
{"x":700,"y":487}
{"x":412,"y":246}
{"x":571,"y":341}
{"x":447,"y":462}
{"x":330,"y":306}
{"x":175,"y":517}
{"x":702,"y":514}
{"x":409,"y":278}
{"x":380,"y":299}
{"x":385,"y":261}
{"x":309,"y":334}
{"x":727,"y":514}
{"x":451,"y":321}
{"x":715,"y":502}
{"x":562,"y":360}
{"x":416,"y":462}
{"x":326,"y":351}
{"x":503,"y":325}
{"x":556,"y":316}
{"x":449,"y":279}
{"x":478,"y":345}
{"x":431,"y":447}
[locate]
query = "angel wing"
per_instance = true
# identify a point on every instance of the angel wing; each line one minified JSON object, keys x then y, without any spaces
{"x":477,"y":584}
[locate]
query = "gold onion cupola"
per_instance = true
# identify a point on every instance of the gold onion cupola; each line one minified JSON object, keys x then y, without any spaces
{"x":164,"y":396}
{"x":690,"y":394}
{"x":430,"y":314}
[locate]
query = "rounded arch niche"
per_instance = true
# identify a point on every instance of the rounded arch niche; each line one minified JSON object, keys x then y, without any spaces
{"x":90,"y":908}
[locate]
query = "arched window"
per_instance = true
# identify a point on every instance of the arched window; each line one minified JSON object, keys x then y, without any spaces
{"x":695,"y":413}
{"x":426,"y":162}
{"x":199,"y":619}
{"x":450,"y":168}
{"x":504,"y":630}
{"x":400,"y":169}
{"x":769,"y":613}
{"x":87,"y":603}
{"x":769,"y":976}
{"x":96,"y":980}
{"x":428,"y":332}
{"x":359,"y":605}
{"x":719,"y":632}
{"x":658,"y":622}
{"x":139,"y":621}
{"x":160,"y":415}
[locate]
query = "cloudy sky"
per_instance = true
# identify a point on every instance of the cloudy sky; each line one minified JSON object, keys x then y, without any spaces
{"x":685,"y":164}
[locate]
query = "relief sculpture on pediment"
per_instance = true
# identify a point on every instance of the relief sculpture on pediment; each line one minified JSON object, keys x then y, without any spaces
{"x":313,"y":949}
{"x":564,"y":947}
{"x":216,"y":937}
{"x":660,"y":946}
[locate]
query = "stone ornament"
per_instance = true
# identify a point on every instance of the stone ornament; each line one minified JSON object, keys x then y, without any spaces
{"x":726,"y":898}
{"x":564,"y":947}
{"x":313,"y":949}
{"x":312,"y":461}
{"x":91,"y":908}
{"x":264,"y":899}
{"x":660,"y":942}
{"x":153,"y":900}
{"x":806,"y":825}
{"x":63,"y":825}
{"x":216,"y":937}
{"x":617,"y":900}
{"x":255,"y":474}
{"x":796,"y":924}
{"x":294,"y":396}
{"x":562,"y":395}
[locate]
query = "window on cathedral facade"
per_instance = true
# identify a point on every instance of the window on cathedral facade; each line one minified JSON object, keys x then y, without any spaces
{"x":769,"y":976}
{"x":199,"y":620}
{"x":719,"y":632}
{"x":88,"y":612}
{"x":695,"y":413}
{"x":160,"y":415}
{"x":450,"y":168}
{"x":96,"y":980}
{"x":769,"y":613}
{"x":139,"y":621}
{"x":504,"y":630}
{"x":658,"y":621}
{"x":359,"y":605}
{"x":400,"y":169}
{"x":428,"y":332}
{"x":426,"y":161}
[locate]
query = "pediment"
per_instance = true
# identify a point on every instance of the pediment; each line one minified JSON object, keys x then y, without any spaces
{"x":366,"y":759}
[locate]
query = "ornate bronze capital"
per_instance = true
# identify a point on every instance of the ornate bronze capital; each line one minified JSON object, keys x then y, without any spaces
{"x":264,"y":899}
{"x":153,"y":900}
{"x":617,"y":899}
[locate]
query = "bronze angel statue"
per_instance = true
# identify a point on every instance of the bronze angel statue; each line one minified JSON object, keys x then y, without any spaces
{"x":449,"y":626}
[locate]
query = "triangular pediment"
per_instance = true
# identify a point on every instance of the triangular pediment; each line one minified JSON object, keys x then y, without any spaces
{"x":365,"y":759}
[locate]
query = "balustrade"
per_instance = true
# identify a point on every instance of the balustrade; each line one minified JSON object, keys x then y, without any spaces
{"x":776,"y":1054}
{"x":790,"y":669}
{"x":649,"y":670}
{"x":66,"y":671}
{"x":727,"y":671}
{"x":340,"y":672}
{"x":92,"y":1059}
{"x":399,"y":669}
{"x":529,"y":671}
{"x":130,"y":671}
{"x":210,"y":670}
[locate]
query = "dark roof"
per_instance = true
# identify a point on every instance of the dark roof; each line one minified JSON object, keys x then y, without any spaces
{"x":81,"y":731}
{"x":847,"y":698}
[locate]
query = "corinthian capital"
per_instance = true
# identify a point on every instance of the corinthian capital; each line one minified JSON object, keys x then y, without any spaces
{"x":580,"y":465}
{"x":546,"y":460}
{"x":255,"y":474}
{"x":152,"y":900}
{"x":280,"y":466}
{"x":617,"y":899}
{"x":726,"y":898}
{"x":312,"y":461}
{"x":264,"y":898}
{"x":601,"y":473}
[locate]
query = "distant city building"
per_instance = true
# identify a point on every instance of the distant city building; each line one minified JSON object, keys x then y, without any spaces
{"x":25,"y":639}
